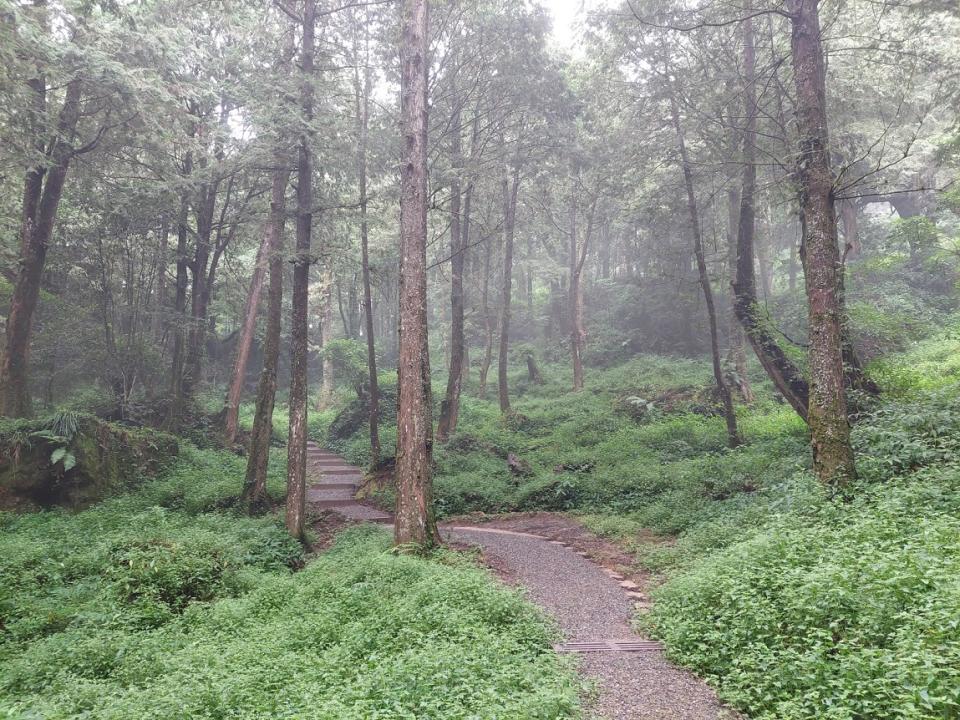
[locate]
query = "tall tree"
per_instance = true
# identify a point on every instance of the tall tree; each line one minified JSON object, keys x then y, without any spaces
{"x":450,"y":407}
{"x":511,"y":188}
{"x":299,"y":326}
{"x":827,"y":404}
{"x":415,"y":522}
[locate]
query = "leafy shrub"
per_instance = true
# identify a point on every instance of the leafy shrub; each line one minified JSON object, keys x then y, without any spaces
{"x":167,"y":572}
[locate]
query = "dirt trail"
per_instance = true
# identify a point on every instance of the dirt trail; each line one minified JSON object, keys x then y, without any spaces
{"x":548,"y":555}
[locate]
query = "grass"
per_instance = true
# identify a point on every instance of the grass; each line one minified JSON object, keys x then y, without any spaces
{"x":164,"y":603}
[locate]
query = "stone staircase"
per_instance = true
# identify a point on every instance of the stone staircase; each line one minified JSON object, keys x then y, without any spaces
{"x":333,"y":483}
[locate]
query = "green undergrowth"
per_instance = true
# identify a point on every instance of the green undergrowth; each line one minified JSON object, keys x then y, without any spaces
{"x":165,"y":603}
{"x":793,"y":603}
{"x":841,"y":609}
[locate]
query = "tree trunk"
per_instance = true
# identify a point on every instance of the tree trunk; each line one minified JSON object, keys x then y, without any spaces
{"x":450,"y":407}
{"x":487,"y":321}
{"x":43,"y":188}
{"x":511,"y":187}
{"x":577,"y":257}
{"x":827,"y":405}
{"x":736,"y":356}
{"x":299,"y":327}
{"x":268,"y":245}
{"x":786,"y":376}
{"x":533,"y":370}
{"x":175,"y":410}
{"x":255,"y":482}
{"x":465,"y":244}
{"x":415,"y":522}
{"x":730,"y":416}
{"x":325,"y":396}
{"x":363,"y":121}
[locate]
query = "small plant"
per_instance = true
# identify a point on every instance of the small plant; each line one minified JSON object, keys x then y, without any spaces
{"x":60,"y":431}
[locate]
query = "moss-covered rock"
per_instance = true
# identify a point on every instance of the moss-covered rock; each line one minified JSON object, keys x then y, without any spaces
{"x":72,"y":460}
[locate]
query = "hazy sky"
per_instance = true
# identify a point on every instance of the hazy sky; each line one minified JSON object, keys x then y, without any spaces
{"x":567,"y":14}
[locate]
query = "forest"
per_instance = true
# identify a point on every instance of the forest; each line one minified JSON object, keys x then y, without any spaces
{"x":480,"y":359}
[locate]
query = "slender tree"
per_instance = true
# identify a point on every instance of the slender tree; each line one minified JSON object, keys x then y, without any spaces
{"x":299,"y":326}
{"x":511,"y":188}
{"x":450,"y":407}
{"x":415,"y":522}
{"x":362,"y":105}
{"x":730,"y":416}
{"x":577,"y":258}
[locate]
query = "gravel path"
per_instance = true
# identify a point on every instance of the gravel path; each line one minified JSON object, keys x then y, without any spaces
{"x":589,"y":605}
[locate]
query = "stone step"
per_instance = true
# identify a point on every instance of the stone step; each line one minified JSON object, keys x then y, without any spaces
{"x":334,"y":503}
{"x":336,"y":470}
{"x":334,"y":487}
{"x":352,"y":480}
{"x":356,"y":511}
{"x":322,"y":495}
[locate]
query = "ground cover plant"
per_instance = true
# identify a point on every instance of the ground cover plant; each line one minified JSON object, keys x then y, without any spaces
{"x":163,"y":603}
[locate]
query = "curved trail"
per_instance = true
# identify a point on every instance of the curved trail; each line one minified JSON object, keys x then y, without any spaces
{"x":589,"y":605}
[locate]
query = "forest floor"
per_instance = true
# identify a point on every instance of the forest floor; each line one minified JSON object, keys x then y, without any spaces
{"x":588,"y":586}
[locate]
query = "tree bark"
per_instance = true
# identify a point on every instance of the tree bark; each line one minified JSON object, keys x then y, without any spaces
{"x":415,"y":524}
{"x":827,"y":404}
{"x":729,"y":415}
{"x":511,"y":187}
{"x":299,"y":327}
{"x":786,"y":376}
{"x":42,"y":191}
{"x":268,"y":245}
{"x":255,"y":482}
{"x":450,"y":407}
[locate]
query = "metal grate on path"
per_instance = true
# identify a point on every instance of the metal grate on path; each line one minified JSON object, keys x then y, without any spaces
{"x":631,"y":646}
